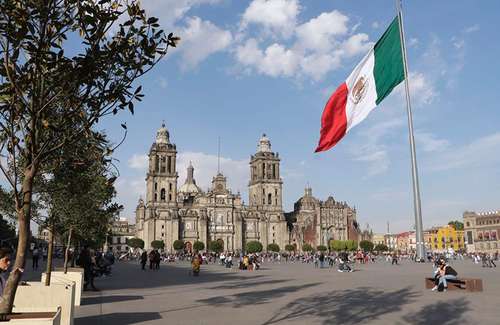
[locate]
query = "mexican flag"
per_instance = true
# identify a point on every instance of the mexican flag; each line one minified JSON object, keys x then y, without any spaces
{"x":369,"y":83}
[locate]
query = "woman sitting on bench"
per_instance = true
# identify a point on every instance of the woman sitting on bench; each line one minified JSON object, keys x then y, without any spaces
{"x":446,"y":272}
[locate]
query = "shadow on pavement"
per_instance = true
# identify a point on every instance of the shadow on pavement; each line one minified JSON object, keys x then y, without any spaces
{"x":443,"y":313}
{"x":240,"y":285}
{"x":108,"y":299}
{"x":117,"y":318}
{"x":167,"y":276}
{"x":253,"y":297}
{"x":348,"y":307}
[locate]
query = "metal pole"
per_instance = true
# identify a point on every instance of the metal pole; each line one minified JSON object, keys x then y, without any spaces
{"x":414,"y":170}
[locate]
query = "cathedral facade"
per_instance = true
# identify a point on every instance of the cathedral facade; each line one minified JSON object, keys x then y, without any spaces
{"x":169,"y":212}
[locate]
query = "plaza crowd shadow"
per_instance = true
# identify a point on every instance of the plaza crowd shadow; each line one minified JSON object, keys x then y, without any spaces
{"x":442,"y":313}
{"x":92,"y":300}
{"x":118,"y":318}
{"x":348,"y":307}
{"x":167,"y":276}
{"x":245,"y":299}
{"x":246,"y":284}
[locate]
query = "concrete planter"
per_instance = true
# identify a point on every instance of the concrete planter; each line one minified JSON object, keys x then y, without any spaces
{"x":36,"y":297}
{"x":71,"y":276}
{"x":35,"y":318}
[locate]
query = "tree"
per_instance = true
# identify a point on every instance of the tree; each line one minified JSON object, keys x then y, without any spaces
{"x":322,"y":248}
{"x":366,"y":245}
{"x":77,"y":195}
{"x":457,"y":225}
{"x":216,"y":246}
{"x":254,"y":247}
{"x":49,"y":100}
{"x":289,"y":248}
{"x":381,"y":248}
{"x":273,"y":247}
{"x":157,"y":244}
{"x":337,"y":245}
{"x":178,"y":245}
{"x":351,"y":245}
{"x":198,"y":246}
{"x":135,"y":243}
{"x":307,"y":247}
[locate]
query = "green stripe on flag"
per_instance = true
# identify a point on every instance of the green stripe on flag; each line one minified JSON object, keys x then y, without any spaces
{"x":388,"y":70}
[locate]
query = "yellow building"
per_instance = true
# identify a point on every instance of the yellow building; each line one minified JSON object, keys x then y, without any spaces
{"x":440,"y":239}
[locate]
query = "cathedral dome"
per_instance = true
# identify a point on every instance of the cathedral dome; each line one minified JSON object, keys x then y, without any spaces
{"x":190,"y":185}
{"x":189,"y":188}
{"x":162,"y":135}
{"x":264,"y":144}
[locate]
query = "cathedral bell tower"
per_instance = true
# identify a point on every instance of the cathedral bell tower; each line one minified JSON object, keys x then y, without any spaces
{"x":265,"y":187}
{"x":161,"y":179}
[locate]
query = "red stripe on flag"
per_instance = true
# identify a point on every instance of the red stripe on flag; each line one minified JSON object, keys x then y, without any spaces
{"x":334,"y":119}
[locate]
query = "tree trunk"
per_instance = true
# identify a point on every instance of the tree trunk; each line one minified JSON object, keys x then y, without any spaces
{"x":23,"y":213}
{"x":50,"y":252}
{"x":66,"y":253}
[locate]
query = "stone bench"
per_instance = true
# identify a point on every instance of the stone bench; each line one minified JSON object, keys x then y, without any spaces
{"x":468,"y":284}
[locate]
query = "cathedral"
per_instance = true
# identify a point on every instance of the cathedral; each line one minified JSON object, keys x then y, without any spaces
{"x":169,"y":212}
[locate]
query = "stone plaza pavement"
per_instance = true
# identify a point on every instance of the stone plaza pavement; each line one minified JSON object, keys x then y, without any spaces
{"x":287,"y":294}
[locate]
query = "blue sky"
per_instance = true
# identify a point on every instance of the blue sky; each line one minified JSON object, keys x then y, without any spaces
{"x":244,"y":68}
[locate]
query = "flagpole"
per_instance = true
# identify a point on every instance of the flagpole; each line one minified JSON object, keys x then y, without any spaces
{"x":414,"y":169}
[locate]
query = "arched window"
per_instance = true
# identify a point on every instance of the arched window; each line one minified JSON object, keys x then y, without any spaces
{"x":169,"y":164}
{"x":162,"y":195}
{"x":269,"y":198}
{"x":170,"y":197}
{"x":274,"y":170}
{"x":156,"y":197}
{"x":170,"y":186}
{"x":156,"y":186}
{"x":157,"y":163}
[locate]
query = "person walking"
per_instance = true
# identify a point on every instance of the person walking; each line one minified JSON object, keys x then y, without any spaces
{"x":36,"y":256}
{"x":144,"y":260}
{"x":394,"y":259}
{"x":85,"y":261}
{"x":5,"y":256}
{"x":321,"y":260}
{"x":157,"y":260}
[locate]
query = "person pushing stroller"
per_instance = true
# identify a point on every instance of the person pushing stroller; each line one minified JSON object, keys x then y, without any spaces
{"x":344,"y":263}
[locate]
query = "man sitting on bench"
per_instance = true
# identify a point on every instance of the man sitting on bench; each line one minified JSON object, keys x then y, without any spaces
{"x":446,"y":272}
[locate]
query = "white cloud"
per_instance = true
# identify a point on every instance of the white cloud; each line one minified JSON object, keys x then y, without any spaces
{"x":471,"y":29}
{"x":201,"y":38}
{"x":274,"y":61}
{"x":129,"y":190}
{"x":375,"y":25}
{"x":428,"y":142}
{"x":171,"y":11}
{"x":356,"y":44}
{"x":371,"y":150}
{"x":413,"y":42}
{"x":422,"y":89}
{"x":275,"y":16}
{"x":319,"y":47}
{"x":317,"y":65}
{"x":138,"y":161}
{"x":376,"y":157}
{"x":318,"y":34}
{"x":481,"y":152}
